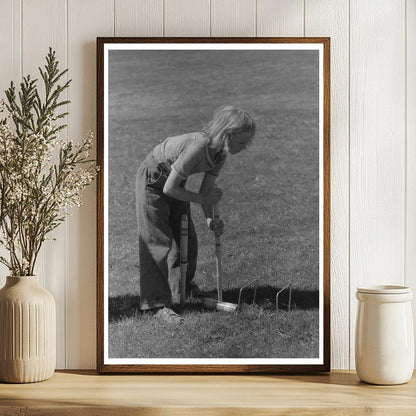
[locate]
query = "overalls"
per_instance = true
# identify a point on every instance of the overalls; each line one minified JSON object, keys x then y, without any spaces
{"x":159,"y":219}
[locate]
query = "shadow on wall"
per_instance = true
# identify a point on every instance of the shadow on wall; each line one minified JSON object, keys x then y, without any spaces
{"x":126,"y":306}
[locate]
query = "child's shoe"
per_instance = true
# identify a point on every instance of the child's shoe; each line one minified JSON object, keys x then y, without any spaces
{"x":168,"y":315}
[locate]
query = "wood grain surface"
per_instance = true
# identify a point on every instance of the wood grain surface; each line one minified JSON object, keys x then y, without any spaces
{"x":138,"y":17}
{"x":85,"y":18}
{"x":410,"y":262}
{"x":84,"y":392}
{"x":280,"y":18}
{"x":233,"y":18}
{"x":331,"y":18}
{"x":36,"y":40}
{"x":377,"y":149}
{"x":187,"y":18}
{"x":10,"y":66}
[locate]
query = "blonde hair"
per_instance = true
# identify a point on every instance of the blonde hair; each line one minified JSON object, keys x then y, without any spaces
{"x":228,"y":120}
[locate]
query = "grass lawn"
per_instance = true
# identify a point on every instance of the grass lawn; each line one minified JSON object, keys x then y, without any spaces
{"x":270,"y":205}
{"x":253,"y":333}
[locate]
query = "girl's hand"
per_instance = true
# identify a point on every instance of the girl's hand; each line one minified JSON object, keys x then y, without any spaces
{"x":212,"y":196}
{"x":216,"y":226}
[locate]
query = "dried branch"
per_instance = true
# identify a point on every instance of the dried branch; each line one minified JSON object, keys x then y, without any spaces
{"x":37,"y":194}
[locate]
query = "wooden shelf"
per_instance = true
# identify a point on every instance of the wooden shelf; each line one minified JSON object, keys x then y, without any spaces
{"x":86,"y":393}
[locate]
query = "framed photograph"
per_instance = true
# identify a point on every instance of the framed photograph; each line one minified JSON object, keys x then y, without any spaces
{"x":213,"y":230}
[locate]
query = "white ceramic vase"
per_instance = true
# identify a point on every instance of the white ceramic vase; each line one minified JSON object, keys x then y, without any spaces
{"x":27,"y":331}
{"x":384,"y":340}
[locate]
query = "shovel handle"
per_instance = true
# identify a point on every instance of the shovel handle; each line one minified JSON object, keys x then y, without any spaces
{"x":184,"y":257}
{"x":216,"y":214}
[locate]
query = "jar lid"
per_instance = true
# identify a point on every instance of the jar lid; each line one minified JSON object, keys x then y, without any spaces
{"x":384,"y":289}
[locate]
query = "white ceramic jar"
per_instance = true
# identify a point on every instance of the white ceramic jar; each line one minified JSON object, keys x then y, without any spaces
{"x":384,"y":338}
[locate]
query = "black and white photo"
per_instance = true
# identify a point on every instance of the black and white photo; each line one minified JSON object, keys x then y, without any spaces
{"x":213,"y":213}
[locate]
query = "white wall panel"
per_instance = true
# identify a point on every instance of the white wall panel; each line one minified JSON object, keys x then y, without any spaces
{"x":233,"y":18}
{"x":44,"y":25}
{"x":280,"y":18}
{"x":411,"y":150}
{"x":330,"y":18}
{"x":373,"y":132}
{"x":10,"y":44}
{"x":10,"y":66}
{"x":87,"y":20}
{"x":138,"y":17}
{"x":377,"y":152}
{"x":187,"y":18}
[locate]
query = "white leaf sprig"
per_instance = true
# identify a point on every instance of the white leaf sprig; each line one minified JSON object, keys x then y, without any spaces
{"x":36,"y":193}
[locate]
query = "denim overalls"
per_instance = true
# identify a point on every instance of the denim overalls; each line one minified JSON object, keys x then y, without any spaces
{"x":159,"y":219}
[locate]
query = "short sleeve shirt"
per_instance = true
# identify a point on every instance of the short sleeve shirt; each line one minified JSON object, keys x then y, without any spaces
{"x":187,"y":154}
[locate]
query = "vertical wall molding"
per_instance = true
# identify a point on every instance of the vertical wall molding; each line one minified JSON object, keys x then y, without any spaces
{"x":138,"y":17}
{"x":187,"y":18}
{"x":233,"y":18}
{"x":10,"y":44}
{"x":10,"y":66}
{"x":36,"y":40}
{"x":87,"y":20}
{"x":331,"y":18}
{"x":410,"y":278}
{"x":280,"y":18}
{"x":377,"y":146}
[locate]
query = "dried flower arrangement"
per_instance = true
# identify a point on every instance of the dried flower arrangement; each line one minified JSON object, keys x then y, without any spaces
{"x":41,"y":175}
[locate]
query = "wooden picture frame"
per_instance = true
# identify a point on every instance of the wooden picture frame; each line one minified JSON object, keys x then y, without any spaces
{"x":134,"y":73}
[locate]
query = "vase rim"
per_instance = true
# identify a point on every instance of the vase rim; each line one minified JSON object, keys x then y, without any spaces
{"x":384,"y":289}
{"x":22,"y":277}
